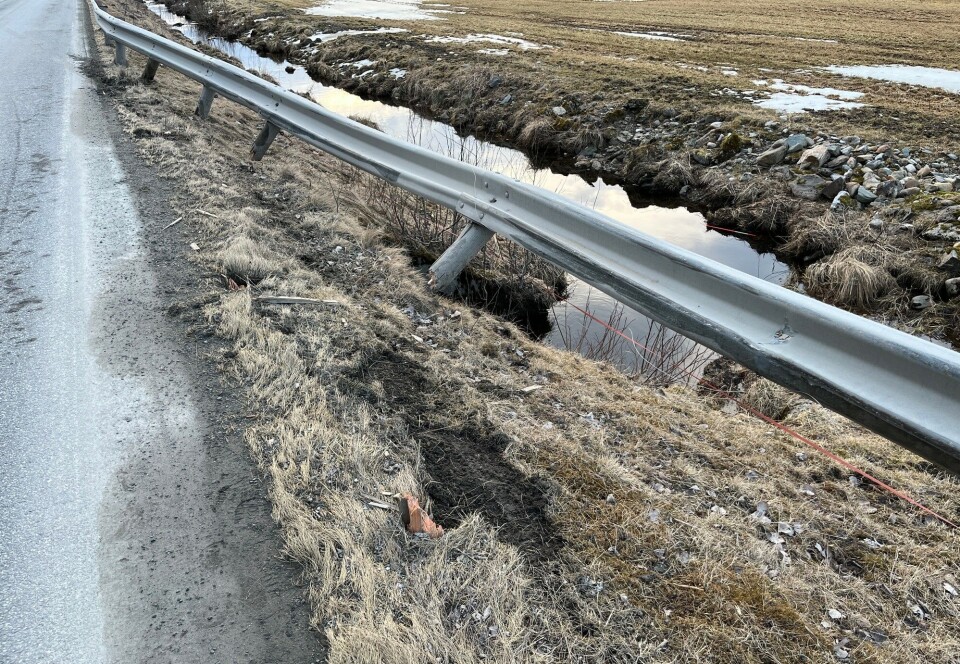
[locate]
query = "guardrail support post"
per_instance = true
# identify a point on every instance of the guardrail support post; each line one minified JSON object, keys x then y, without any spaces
{"x":150,"y":70}
{"x":205,"y":103}
{"x":120,"y":54}
{"x":446,"y":269}
{"x":263,"y":141}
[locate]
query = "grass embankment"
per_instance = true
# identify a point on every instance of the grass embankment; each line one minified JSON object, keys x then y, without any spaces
{"x":640,"y":111}
{"x":587,"y":520}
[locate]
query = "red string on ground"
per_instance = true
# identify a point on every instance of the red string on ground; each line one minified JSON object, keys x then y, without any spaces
{"x":779,"y":425}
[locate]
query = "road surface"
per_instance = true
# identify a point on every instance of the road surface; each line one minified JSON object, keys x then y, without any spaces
{"x":132,"y":526}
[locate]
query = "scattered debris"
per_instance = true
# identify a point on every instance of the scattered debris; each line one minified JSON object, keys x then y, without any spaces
{"x":415,"y":519}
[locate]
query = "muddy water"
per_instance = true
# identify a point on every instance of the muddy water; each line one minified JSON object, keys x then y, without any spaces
{"x":570,"y":327}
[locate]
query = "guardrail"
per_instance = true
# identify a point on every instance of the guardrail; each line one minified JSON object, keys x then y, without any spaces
{"x":902,"y":387}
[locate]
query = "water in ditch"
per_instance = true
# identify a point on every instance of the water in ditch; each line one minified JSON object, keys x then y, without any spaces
{"x":570,"y":328}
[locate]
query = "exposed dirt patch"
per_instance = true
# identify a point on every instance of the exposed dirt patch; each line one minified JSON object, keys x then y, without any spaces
{"x":467,"y":461}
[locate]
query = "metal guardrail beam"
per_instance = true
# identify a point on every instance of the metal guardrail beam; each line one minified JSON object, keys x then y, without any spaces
{"x":904,"y":388}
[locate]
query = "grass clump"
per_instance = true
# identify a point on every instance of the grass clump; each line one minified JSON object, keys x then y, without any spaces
{"x":846,"y":280}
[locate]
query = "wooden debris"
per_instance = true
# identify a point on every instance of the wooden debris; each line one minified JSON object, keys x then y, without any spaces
{"x":172,"y":223}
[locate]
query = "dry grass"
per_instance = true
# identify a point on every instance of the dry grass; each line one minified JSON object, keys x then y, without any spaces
{"x":590,"y":520}
{"x":846,"y":280}
{"x":758,"y":38}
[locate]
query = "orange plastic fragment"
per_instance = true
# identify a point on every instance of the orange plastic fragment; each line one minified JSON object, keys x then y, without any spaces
{"x":415,"y":519}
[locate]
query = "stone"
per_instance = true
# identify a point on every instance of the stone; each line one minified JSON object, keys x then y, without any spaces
{"x":921,"y":302}
{"x":948,"y":215}
{"x":924,"y":172}
{"x":842,"y":201}
{"x":910,"y":183}
{"x":865,"y":196}
{"x":950,"y":263}
{"x":876,"y":224}
{"x":911,"y":168}
{"x":815,"y":157}
{"x":797,"y":142}
{"x":506,"y":100}
{"x":808,"y":187}
{"x":495,"y":81}
{"x":942,"y":187}
{"x":883,"y":148}
{"x":889,"y":189}
{"x":834,"y":187}
{"x":773,"y":156}
{"x":910,"y":191}
{"x":559,"y":110}
{"x":836,"y":162}
{"x":716,"y":125}
{"x":952,"y":287}
{"x":875,"y":164}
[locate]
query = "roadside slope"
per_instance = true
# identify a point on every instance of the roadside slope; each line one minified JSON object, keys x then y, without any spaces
{"x":587,"y":520}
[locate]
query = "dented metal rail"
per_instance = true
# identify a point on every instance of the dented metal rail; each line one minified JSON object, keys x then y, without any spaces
{"x":902,"y":387}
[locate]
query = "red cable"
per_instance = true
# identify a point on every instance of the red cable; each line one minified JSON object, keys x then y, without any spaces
{"x":779,"y":425}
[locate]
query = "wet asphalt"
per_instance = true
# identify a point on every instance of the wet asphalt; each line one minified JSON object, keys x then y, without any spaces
{"x":133,"y":527}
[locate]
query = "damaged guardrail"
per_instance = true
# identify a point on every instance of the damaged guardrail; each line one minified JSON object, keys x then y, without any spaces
{"x":902,"y":387}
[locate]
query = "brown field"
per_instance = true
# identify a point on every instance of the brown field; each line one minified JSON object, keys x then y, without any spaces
{"x":759,"y":39}
{"x":589,"y":520}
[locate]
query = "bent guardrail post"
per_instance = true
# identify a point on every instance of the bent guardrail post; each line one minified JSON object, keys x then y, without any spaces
{"x":446,"y":269}
{"x":263,"y":141}
{"x":150,"y":71}
{"x":900,"y":386}
{"x":205,"y":103}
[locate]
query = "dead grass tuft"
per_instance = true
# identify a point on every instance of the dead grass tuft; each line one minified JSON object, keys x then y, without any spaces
{"x":844,"y":279}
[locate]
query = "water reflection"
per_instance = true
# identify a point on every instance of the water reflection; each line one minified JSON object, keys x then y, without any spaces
{"x":679,"y":226}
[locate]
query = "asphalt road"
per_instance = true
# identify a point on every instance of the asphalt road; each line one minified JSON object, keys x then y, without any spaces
{"x":132,"y":525}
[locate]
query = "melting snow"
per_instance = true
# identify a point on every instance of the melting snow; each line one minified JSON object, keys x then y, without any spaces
{"x":661,"y":36}
{"x":928,"y":77}
{"x":493,"y":39}
{"x":792,"y":98}
{"x":330,"y":36}
{"x":397,"y":10}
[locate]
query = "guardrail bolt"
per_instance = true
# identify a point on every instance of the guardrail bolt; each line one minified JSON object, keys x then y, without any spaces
{"x":150,"y":70}
{"x":205,"y":103}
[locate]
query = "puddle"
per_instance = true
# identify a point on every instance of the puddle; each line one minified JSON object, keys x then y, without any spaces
{"x":522,"y":44}
{"x":394,"y":10}
{"x":677,"y":225}
{"x":928,"y":77}
{"x":790,"y":98}
{"x":324,"y":37}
